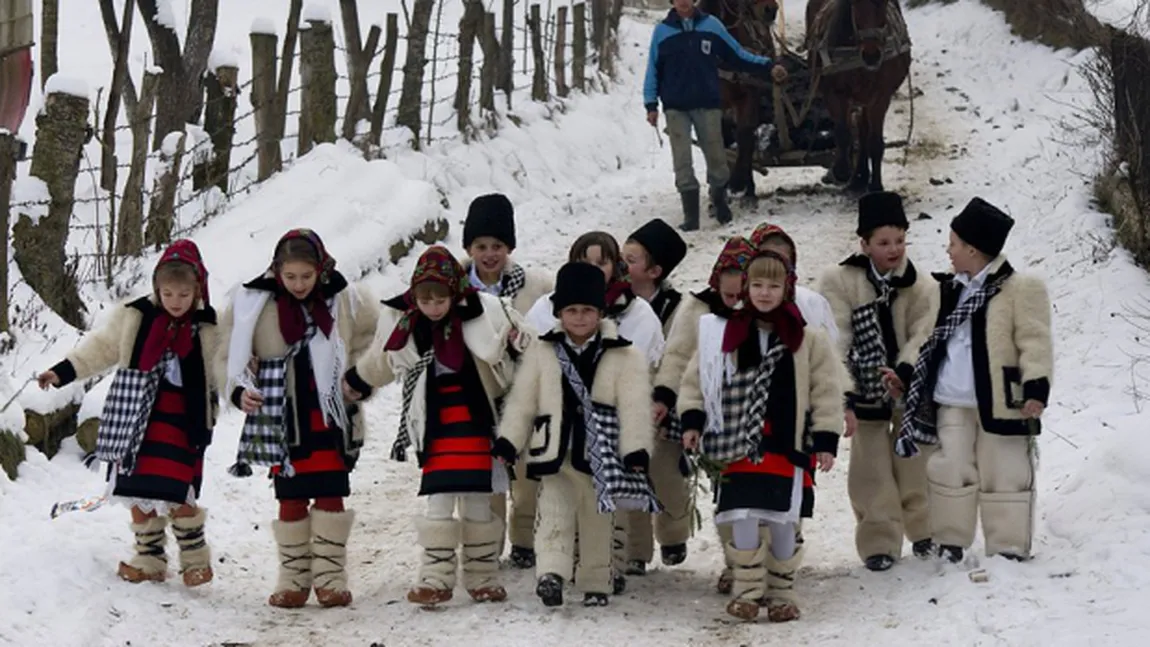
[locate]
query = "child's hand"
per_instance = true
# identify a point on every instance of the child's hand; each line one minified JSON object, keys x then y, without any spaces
{"x":825,"y":461}
{"x":47,"y":379}
{"x":852,"y":423}
{"x":251,"y":401}
{"x":658,"y":412}
{"x":349,"y":393}
{"x":691,"y":440}
{"x":891,"y":381}
{"x":1032,"y":409}
{"x":513,"y":336}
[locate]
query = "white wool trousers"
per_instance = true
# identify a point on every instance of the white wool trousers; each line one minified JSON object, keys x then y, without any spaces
{"x":472,"y":507}
{"x":975,"y":473}
{"x":568,"y":504}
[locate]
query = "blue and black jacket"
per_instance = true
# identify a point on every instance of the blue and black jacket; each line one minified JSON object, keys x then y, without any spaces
{"x":683,"y":65}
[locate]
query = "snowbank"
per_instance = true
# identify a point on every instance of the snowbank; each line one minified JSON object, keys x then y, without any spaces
{"x":32,"y":195}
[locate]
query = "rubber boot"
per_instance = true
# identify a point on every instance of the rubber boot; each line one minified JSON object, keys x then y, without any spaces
{"x":690,"y":201}
{"x":293,"y":586}
{"x":195,"y":555}
{"x":719,"y":201}
{"x":150,"y":563}
{"x":329,"y":534}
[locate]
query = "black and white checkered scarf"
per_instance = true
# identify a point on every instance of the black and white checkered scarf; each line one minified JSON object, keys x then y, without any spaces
{"x":919,"y":421}
{"x":410,"y":381}
{"x":127,"y":410}
{"x":616,"y":487}
{"x":868,"y":351}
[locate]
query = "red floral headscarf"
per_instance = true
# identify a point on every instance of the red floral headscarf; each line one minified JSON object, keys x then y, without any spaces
{"x":436,"y":265}
{"x":786,"y":320}
{"x":293,"y":323}
{"x":168,"y":332}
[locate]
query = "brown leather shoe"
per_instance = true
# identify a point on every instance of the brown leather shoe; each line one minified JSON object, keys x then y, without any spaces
{"x":743,"y":609}
{"x":427,"y":596}
{"x":288,"y":599}
{"x":130,"y":573}
{"x":196,"y":576}
{"x":726,"y":581}
{"x":783,"y":612}
{"x":331,"y":598}
{"x":488,"y":594}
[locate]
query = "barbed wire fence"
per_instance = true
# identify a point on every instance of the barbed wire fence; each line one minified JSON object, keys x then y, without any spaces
{"x":559,"y":48}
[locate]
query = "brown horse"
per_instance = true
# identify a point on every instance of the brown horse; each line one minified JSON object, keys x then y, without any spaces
{"x":862,"y":52}
{"x":749,"y":22}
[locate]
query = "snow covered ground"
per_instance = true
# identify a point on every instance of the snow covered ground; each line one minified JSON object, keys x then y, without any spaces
{"x":989,"y":122}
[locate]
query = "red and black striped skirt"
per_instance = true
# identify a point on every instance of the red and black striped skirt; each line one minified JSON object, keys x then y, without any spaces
{"x":457,"y":457}
{"x":166,"y":464}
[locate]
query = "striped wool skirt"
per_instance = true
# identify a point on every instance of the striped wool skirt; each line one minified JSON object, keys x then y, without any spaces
{"x":167,"y":467}
{"x":457,"y":458}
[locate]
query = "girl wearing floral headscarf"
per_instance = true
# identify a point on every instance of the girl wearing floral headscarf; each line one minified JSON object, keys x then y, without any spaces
{"x":453,"y":347}
{"x":745,"y":397}
{"x":294,"y":331}
{"x":159,"y":413}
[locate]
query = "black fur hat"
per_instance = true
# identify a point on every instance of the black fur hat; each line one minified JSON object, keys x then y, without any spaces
{"x":490,"y":215}
{"x":983,"y":226}
{"x":579,"y":283}
{"x":880,"y":209}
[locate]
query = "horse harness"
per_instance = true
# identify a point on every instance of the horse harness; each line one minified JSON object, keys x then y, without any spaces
{"x":834,"y":60}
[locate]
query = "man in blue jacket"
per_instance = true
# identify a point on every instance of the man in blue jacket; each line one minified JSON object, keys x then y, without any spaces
{"x":683,"y":71}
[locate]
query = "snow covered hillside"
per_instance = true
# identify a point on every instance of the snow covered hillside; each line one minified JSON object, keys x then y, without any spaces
{"x":988,"y":122}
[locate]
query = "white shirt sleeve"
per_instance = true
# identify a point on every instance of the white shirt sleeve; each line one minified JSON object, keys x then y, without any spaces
{"x":641,"y":326}
{"x":817,"y":311}
{"x":540,"y":316}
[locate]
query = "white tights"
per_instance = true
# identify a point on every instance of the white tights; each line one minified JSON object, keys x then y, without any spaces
{"x":472,"y":507}
{"x":745,"y":536}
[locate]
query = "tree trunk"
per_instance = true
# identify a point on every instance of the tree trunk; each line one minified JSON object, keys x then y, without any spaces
{"x":179,"y":98}
{"x":287,"y":61}
{"x":108,"y":160}
{"x":561,"y":88}
{"x":579,"y":47}
{"x":112,"y":33}
{"x":410,"y":114}
{"x":507,"y":50}
{"x":359,"y":57}
{"x":219,"y":122}
{"x":49,"y":39}
{"x":598,"y":24}
{"x":317,"y":75}
{"x":488,"y":77}
{"x":8,"y":152}
{"x":38,"y":242}
{"x":469,"y":26}
{"x":539,"y":73}
{"x":386,"y":71}
{"x":129,"y":236}
{"x":265,"y":106}
{"x":162,"y":212}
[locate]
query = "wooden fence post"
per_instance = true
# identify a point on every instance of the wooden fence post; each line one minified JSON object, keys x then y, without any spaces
{"x":359,"y":56}
{"x":433,"y":101}
{"x":470,"y":24}
{"x":410,"y":113}
{"x":40,"y":233}
{"x":598,"y":23}
{"x":317,"y":76}
{"x":264,"y":104}
{"x":8,"y":152}
{"x":579,"y":46}
{"x":488,"y":76}
{"x":130,"y":228}
{"x":507,"y":51}
{"x":162,"y":210}
{"x":220,"y":123}
{"x":386,"y":70}
{"x":539,"y":74}
{"x":561,"y":88}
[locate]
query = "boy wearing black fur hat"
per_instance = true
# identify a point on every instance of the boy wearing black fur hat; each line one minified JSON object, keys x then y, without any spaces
{"x":580,"y":403}
{"x":883,"y":309}
{"x":651,"y":253}
{"x":979,"y":386}
{"x":489,"y":238}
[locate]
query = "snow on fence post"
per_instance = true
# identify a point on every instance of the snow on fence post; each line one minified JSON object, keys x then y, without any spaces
{"x":579,"y":46}
{"x":507,"y":51}
{"x":539,"y":73}
{"x":9,"y":150}
{"x":386,"y":71}
{"x":488,"y":76}
{"x":410,"y":113}
{"x":317,"y":76}
{"x":162,"y":210}
{"x":264,"y":42}
{"x":130,"y":227}
{"x":39,"y":234}
{"x":221,"y":82}
{"x":469,"y":26}
{"x":561,"y":89}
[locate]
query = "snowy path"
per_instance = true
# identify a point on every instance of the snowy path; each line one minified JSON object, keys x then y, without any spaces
{"x":986,"y":123}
